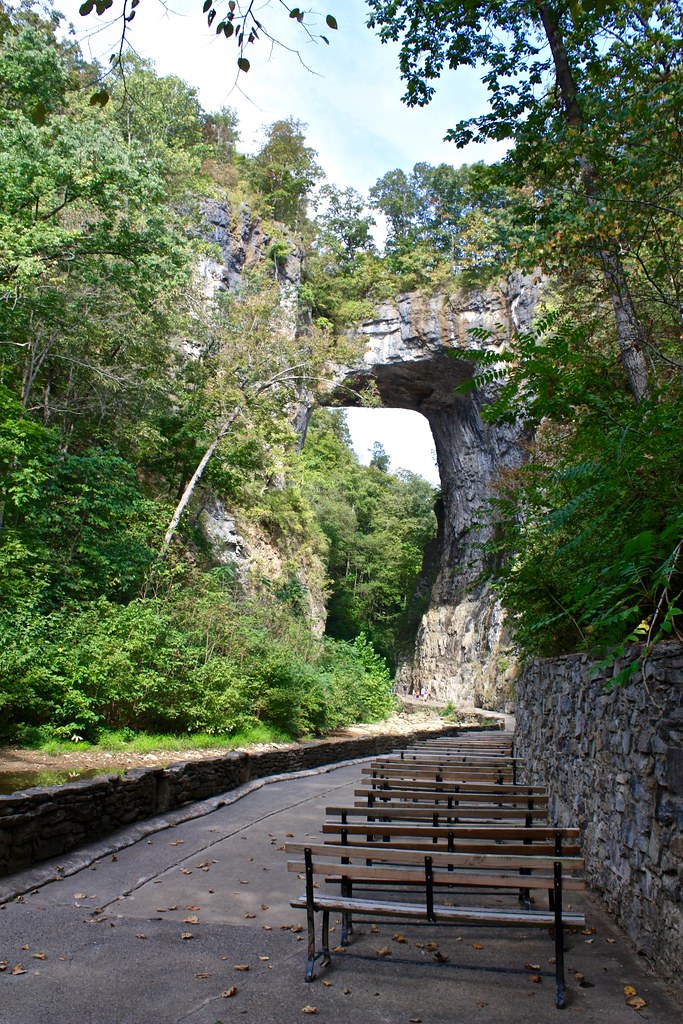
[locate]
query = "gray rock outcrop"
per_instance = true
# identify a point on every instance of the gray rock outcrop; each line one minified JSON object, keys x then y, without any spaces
{"x":417,"y":351}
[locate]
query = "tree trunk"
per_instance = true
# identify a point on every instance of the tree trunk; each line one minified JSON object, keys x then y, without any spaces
{"x":630,"y":334}
{"x":194,"y":479}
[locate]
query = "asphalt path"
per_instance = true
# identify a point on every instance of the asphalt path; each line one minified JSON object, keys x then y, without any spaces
{"x":187,"y":919}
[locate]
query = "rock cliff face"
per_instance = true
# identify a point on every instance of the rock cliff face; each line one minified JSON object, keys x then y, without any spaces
{"x":407,"y":349}
{"x":460,"y":649}
{"x":241,"y":244}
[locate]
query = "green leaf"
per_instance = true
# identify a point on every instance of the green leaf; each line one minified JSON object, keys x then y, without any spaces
{"x":228,"y":29}
{"x":331,"y":21}
{"x":207,"y":6}
{"x":86,"y":8}
{"x":243,"y":64}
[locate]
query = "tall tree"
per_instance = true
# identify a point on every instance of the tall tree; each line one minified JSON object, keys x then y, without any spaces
{"x":285,"y":170}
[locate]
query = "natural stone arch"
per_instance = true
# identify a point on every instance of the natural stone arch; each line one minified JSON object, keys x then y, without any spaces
{"x":459,"y":652}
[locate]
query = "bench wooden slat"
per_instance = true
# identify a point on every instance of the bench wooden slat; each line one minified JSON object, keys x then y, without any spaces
{"x":457,"y":795}
{"x":420,"y":810}
{"x":442,"y":876}
{"x":427,"y":846}
{"x":418,"y":911}
{"x":532,"y":832}
{"x":413,"y":769}
{"x":493,"y":861}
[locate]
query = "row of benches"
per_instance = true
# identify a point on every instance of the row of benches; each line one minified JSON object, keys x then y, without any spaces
{"x":435,"y":822}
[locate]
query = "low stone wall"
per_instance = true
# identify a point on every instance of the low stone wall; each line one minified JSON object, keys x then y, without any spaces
{"x":613,"y":762}
{"x":49,"y":821}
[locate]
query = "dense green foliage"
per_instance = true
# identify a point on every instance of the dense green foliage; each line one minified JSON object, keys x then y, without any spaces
{"x":589,"y":532}
{"x":129,"y":403}
{"x":589,"y":544}
{"x":123,"y":391}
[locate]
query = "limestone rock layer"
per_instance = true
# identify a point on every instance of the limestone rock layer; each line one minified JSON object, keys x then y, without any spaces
{"x":417,"y":351}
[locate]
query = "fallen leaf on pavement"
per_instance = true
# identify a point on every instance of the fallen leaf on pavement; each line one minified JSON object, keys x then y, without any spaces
{"x":187,"y":935}
{"x":18,"y":970}
{"x":40,"y":956}
{"x":241,"y":967}
{"x":535,"y":978}
{"x":309,"y":1009}
{"x":232,"y":991}
{"x":384,"y":951}
{"x":476,"y":945}
{"x":202,"y":975}
{"x":140,"y":935}
{"x":636,"y":1003}
{"x":629,"y":990}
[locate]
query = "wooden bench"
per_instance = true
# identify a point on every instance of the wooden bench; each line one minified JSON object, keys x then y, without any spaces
{"x":502,"y":744}
{"x":455,"y":806}
{"x":416,"y":882}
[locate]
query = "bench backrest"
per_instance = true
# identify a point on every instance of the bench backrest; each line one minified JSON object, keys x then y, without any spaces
{"x":407,"y":867}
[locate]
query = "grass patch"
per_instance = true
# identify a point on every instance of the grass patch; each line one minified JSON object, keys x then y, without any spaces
{"x":127,"y":741}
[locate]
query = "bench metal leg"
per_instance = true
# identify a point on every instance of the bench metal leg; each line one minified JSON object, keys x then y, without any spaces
{"x":312,"y":957}
{"x":326,"y":958}
{"x":346,"y":920}
{"x":559,"y":939}
{"x":310,"y":920}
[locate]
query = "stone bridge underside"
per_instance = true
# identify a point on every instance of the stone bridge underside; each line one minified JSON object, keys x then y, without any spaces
{"x":459,"y":653}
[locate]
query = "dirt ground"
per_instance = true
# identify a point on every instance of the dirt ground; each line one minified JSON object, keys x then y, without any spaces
{"x":16,"y":759}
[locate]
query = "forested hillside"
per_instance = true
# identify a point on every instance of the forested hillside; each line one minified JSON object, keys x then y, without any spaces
{"x":129,"y":399}
{"x":119,"y":377}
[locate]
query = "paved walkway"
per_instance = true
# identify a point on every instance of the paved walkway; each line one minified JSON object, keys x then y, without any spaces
{"x":154,"y":934}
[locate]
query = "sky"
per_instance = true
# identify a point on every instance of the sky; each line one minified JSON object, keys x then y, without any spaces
{"x":349,"y":95}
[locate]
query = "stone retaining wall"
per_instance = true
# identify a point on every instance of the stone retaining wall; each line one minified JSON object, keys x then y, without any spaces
{"x":51,"y":820}
{"x":613,"y":762}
